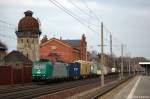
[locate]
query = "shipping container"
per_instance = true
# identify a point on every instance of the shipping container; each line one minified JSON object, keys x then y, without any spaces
{"x":85,"y":68}
{"x":98,"y":68}
{"x":60,"y":70}
{"x":74,"y":70}
{"x":106,"y":69}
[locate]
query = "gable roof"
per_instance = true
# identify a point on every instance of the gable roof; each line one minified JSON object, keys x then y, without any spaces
{"x":72,"y":43}
{"x":57,"y":40}
{"x":2,"y":46}
{"x":16,"y":57}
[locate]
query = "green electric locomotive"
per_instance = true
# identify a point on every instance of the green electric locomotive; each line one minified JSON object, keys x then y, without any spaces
{"x":44,"y":70}
{"x":41,"y":70}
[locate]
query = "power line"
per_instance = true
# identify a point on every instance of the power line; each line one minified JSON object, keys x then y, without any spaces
{"x":91,"y":11}
{"x":7,"y":23}
{"x":75,"y":14}
{"x":79,"y":8}
{"x":108,"y":31}
{"x":83,"y":1}
{"x":9,"y":27}
{"x":79,"y":19}
{"x":84,"y":12}
{"x":7,"y":36}
{"x":66,"y":11}
{"x":71,"y":14}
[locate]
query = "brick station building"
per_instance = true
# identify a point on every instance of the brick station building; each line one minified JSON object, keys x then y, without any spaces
{"x":63,"y":50}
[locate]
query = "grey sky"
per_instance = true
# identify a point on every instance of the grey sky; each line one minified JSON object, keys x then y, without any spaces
{"x":128,"y":20}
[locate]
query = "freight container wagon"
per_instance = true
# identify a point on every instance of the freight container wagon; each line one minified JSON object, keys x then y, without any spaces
{"x":74,"y":70}
{"x":106,"y":70}
{"x":85,"y":68}
{"x":94,"y":68}
{"x":60,"y":71}
{"x":98,"y":69}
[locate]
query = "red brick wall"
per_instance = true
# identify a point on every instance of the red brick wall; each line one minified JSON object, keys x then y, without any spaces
{"x":76,"y":55}
{"x":55,"y":46}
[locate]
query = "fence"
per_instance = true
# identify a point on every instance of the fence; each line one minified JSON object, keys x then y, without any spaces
{"x":11,"y":75}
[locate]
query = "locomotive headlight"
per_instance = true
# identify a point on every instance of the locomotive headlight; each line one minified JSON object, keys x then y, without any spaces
{"x":39,"y":71}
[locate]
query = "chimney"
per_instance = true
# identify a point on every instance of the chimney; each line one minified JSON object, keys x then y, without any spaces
{"x":83,"y":37}
{"x":44,"y":39}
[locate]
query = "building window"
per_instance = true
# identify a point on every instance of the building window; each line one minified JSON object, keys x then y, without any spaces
{"x":27,"y":41}
{"x":27,"y":55}
{"x":33,"y":41}
{"x":0,"y":57}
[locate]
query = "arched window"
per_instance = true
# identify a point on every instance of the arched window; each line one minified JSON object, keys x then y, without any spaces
{"x":27,"y":41}
{"x":27,"y":55}
{"x":32,"y":40}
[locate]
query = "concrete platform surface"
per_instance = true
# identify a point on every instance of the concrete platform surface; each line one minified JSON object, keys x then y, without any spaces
{"x":138,"y":88}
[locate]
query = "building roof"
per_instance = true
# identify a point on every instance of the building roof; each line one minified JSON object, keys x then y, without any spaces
{"x":72,"y":43}
{"x":2,"y":46}
{"x":28,"y":22}
{"x":16,"y":57}
{"x":54,"y":39}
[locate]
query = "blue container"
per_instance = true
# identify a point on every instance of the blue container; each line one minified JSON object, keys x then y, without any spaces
{"x":74,"y":70}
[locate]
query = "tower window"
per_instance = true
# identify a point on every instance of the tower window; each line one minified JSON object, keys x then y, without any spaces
{"x":27,"y":41}
{"x":21,"y":40}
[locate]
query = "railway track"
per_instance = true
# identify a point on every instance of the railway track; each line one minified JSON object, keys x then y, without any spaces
{"x":16,"y":85}
{"x":18,"y":88}
{"x":31,"y":92}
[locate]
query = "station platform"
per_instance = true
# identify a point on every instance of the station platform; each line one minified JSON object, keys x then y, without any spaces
{"x":138,"y":88}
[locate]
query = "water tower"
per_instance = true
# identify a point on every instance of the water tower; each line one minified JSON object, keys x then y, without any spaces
{"x":28,"y":34}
